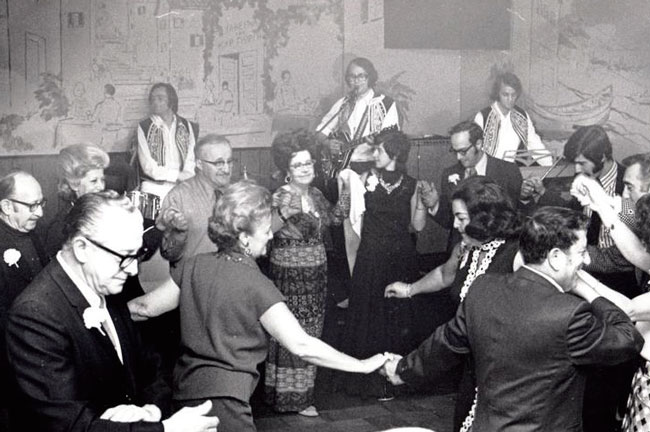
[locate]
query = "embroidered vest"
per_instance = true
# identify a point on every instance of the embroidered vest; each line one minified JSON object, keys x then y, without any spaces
{"x":491,"y":123}
{"x":154,"y":135}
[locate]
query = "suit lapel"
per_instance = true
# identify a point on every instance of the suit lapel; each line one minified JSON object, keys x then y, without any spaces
{"x":79,"y":303}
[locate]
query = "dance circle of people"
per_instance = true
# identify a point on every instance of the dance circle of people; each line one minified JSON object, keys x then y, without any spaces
{"x":549,"y":285}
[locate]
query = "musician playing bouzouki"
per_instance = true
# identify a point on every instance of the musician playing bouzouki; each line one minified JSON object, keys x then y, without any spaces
{"x":361,"y":113}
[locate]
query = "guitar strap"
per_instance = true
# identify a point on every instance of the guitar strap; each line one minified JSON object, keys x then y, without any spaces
{"x":362,"y":124}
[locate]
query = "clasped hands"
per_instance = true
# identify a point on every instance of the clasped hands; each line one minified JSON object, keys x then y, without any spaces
{"x":427,"y":194}
{"x":171,"y":219}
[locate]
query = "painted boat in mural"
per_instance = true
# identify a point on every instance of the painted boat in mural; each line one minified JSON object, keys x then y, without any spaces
{"x":589,"y":111}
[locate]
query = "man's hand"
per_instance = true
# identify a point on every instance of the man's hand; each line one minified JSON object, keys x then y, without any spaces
{"x":532,"y":188}
{"x":132,"y":413}
{"x":373,"y":363}
{"x":389,"y":369}
{"x":192,"y":419}
{"x":397,"y":289}
{"x":289,"y":203}
{"x":171,"y":218}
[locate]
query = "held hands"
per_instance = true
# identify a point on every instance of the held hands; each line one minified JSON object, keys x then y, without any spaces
{"x":373,"y":363}
{"x":171,"y":219}
{"x":343,"y":179}
{"x":389,"y":369}
{"x":138,"y":309}
{"x":398,"y":290}
{"x":590,"y":193}
{"x":192,"y":419}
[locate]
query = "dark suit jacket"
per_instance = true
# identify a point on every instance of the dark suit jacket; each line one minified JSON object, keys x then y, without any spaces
{"x":529,"y":342}
{"x":67,"y":375}
{"x":505,"y":174}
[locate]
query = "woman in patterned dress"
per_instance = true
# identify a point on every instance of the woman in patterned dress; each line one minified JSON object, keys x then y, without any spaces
{"x":489,"y":227}
{"x":299,"y":266}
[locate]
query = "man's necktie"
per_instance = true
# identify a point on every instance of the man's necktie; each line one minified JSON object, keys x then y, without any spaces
{"x":110,"y":330}
{"x":470,"y":172}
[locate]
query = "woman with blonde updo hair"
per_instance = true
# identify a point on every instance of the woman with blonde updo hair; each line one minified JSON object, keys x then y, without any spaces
{"x":80,"y":171}
{"x":228,"y":309}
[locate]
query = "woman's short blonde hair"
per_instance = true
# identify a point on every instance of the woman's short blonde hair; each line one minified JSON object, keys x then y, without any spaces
{"x":74,"y":163}
{"x":241,"y":208}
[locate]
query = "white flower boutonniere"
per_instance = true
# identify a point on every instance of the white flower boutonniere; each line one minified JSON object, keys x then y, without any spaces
{"x":94,"y":317}
{"x":11,"y":257}
{"x":454,"y":178}
{"x":371,"y":183}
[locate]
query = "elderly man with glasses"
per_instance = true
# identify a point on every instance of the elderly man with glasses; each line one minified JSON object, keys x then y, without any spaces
{"x":467,"y":145}
{"x":76,"y":358}
{"x":23,"y":256}
{"x":184,"y":220}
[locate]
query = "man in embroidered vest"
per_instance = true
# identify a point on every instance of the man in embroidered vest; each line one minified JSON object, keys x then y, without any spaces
{"x":76,"y":359}
{"x":165,"y":143}
{"x":507,"y":128}
{"x":531,"y":341}
{"x":23,"y":256}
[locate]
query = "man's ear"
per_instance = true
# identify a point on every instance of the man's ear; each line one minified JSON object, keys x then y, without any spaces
{"x":479,"y":144}
{"x":555,"y":259}
{"x":6,"y":206}
{"x":80,"y":248}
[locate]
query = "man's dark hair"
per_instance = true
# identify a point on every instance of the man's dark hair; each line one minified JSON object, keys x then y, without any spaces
{"x":172,"y":96}
{"x":549,"y":228}
{"x":643,"y":160}
{"x":590,"y":141}
{"x":475,"y":131}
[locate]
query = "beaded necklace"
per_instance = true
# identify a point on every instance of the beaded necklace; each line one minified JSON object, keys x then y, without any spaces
{"x":390,"y":187}
{"x":475,"y":269}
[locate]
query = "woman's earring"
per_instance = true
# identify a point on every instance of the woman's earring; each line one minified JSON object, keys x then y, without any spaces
{"x":247,"y":250}
{"x":287,"y":179}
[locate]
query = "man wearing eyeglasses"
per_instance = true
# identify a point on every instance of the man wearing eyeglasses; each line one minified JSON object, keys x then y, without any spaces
{"x":21,"y":252}
{"x":76,"y":359}
{"x":467,"y":145}
{"x":184,"y":218}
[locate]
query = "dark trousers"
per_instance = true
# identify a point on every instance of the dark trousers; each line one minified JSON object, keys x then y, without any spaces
{"x":234,"y":415}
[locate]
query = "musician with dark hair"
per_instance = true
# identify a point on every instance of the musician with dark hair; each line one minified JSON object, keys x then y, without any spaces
{"x":165,"y":143}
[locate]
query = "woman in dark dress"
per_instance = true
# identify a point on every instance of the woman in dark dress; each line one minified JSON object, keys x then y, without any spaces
{"x":386,"y":254}
{"x":489,"y":227}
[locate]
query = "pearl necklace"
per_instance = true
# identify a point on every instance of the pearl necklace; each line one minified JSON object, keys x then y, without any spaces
{"x":475,"y":270}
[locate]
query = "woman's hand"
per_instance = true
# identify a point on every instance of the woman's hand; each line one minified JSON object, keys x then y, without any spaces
{"x":343,"y":180}
{"x":398,"y":290}
{"x":373,"y":363}
{"x":288,"y":202}
{"x":171,"y":219}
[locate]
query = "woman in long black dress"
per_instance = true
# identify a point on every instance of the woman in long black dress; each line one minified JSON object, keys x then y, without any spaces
{"x":489,"y":227}
{"x":386,"y":254}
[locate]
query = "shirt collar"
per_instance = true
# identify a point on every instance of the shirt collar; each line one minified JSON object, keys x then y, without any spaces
{"x":93,"y":299}
{"x":158,"y":121}
{"x":545,"y":276}
{"x":481,"y":165}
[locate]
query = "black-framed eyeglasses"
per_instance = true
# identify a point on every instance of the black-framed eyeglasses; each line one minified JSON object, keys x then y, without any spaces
{"x":221,"y":163}
{"x":462,"y":152}
{"x":357,"y":77}
{"x":31,"y":206}
{"x":125,"y":260}
{"x":305,"y":164}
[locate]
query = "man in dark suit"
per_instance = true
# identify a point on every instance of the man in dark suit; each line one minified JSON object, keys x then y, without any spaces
{"x":467,"y":144}
{"x":529,"y":338}
{"x":75,"y":357}
{"x":590,"y":151}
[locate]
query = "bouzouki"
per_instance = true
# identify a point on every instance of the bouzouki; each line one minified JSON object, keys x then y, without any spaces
{"x":341,"y":160}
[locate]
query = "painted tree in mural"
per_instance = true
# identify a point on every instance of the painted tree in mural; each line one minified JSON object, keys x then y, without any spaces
{"x":52,"y":101}
{"x":273,"y":26}
{"x":400,"y":93}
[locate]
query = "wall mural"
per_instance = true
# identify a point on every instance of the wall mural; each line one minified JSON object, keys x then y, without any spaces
{"x":233,"y":63}
{"x":589,"y":65}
